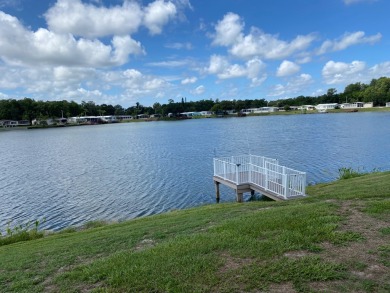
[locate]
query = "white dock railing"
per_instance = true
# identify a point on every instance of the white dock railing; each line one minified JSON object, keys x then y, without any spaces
{"x":262,"y":172}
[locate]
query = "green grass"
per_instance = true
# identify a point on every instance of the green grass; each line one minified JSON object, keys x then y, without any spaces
{"x":217,"y":248}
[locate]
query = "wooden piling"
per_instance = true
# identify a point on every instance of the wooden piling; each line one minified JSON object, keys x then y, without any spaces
{"x":217,"y":196}
{"x":240,"y":196}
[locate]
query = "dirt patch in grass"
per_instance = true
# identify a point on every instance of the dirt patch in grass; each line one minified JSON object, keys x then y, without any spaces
{"x":233,"y":263}
{"x":298,"y":254}
{"x":361,"y":257}
{"x":144,"y":244}
{"x":281,"y":288}
{"x":48,"y":282}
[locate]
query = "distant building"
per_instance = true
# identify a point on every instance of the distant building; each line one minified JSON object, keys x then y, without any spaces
{"x":260,"y":110}
{"x":307,"y":107}
{"x":124,"y":117}
{"x":388,"y":104}
{"x":356,"y":105}
{"x":206,"y":113}
{"x":330,"y":106}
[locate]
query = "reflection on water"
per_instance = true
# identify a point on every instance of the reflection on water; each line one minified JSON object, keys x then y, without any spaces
{"x":121,"y":171}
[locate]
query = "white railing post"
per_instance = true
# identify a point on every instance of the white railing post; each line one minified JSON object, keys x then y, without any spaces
{"x":284,"y":181}
{"x":250,"y":173}
{"x":237,"y":174}
{"x":287,"y":186}
{"x":224,"y":170}
{"x":266,"y":175}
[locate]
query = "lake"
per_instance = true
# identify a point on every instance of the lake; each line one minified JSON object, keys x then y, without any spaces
{"x":121,"y":171}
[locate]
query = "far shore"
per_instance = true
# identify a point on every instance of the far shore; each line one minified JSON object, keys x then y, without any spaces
{"x":280,"y":112}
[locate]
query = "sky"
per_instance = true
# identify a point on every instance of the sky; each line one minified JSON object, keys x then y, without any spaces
{"x":128,"y":51}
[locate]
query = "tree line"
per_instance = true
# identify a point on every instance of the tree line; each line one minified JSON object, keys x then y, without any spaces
{"x":377,"y":91}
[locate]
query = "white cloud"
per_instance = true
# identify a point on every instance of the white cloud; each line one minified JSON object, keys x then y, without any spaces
{"x":199,"y":90}
{"x":229,"y":33}
{"x":87,"y":20}
{"x":379,"y":70}
{"x":267,"y":46}
{"x":294,"y":86}
{"x":91,"y":21}
{"x":179,"y":46}
{"x":341,"y":73}
{"x":3,"y":96}
{"x":356,"y":71}
{"x":189,"y":80}
{"x":348,"y":40}
{"x":171,"y":63}
{"x":221,"y":67}
{"x":157,"y":14}
{"x":24,"y":47}
{"x":287,"y":68}
{"x":228,"y":30}
{"x":349,"y":2}
{"x":10,"y":3}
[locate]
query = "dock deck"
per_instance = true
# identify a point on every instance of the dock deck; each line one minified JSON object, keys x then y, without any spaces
{"x":258,"y":174}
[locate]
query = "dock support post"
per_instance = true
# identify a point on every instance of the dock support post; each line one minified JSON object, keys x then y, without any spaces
{"x":252,"y":194}
{"x":240,"y":197}
{"x":217,"y":191}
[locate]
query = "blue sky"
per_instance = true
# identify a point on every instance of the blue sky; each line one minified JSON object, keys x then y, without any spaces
{"x":123,"y":52}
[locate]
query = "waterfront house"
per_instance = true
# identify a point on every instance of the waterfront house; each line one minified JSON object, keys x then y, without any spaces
{"x":260,"y":110}
{"x":307,"y":107}
{"x":331,"y":106}
{"x":124,"y":117}
{"x":142,"y":116}
{"x":8,"y":123}
{"x":352,"y":105}
{"x":206,"y":113}
{"x":356,"y":105}
{"x":388,"y":104}
{"x":108,"y":119}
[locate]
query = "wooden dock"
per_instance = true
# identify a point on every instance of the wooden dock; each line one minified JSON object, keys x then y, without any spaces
{"x":258,"y":174}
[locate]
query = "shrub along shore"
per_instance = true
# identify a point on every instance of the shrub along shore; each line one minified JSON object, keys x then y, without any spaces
{"x":335,"y":240}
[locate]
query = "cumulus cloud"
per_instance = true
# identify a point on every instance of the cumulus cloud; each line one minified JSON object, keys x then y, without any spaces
{"x":157,"y":14}
{"x":340,"y":72}
{"x":379,"y":70}
{"x":189,"y":80}
{"x":221,"y":67}
{"x":24,"y":47}
{"x":199,"y":90}
{"x":287,"y":68}
{"x":229,"y":33}
{"x":228,"y":30}
{"x":356,"y":71}
{"x":348,"y":40}
{"x":87,"y":20}
{"x":267,"y":46}
{"x":294,"y":86}
{"x":91,"y":21}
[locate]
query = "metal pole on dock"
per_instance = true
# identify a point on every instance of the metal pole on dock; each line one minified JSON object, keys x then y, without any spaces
{"x":217,"y":196}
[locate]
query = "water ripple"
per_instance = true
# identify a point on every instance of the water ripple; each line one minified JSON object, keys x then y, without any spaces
{"x":115,"y":172}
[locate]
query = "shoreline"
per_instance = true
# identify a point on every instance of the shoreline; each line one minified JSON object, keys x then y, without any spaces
{"x":279,"y":113}
{"x":330,"y":240}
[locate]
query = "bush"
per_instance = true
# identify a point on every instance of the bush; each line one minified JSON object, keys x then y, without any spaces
{"x":347,"y":173}
{"x":22,"y":232}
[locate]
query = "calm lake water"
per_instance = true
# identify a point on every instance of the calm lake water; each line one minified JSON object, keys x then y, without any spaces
{"x":120,"y":171}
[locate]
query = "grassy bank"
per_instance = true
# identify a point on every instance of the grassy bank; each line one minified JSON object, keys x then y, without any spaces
{"x":336,"y":240}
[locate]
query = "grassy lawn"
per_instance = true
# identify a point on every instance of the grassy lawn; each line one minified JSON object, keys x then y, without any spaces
{"x":335,"y":240}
